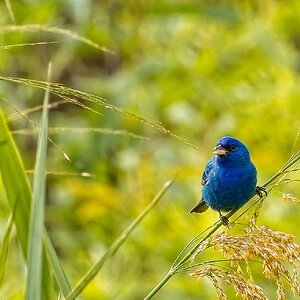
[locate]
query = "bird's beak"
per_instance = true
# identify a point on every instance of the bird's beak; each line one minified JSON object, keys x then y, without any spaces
{"x":220,"y":151}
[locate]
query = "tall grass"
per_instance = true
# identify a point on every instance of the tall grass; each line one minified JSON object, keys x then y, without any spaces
{"x":24,"y":213}
{"x":41,"y":264}
{"x":35,"y":239}
{"x":92,"y":272}
{"x":77,"y":97}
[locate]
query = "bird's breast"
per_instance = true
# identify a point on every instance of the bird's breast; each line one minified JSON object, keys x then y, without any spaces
{"x":228,"y":188}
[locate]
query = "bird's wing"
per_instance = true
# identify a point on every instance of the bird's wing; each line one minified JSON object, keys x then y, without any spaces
{"x":208,"y":168}
{"x":199,"y":208}
{"x":202,"y":206}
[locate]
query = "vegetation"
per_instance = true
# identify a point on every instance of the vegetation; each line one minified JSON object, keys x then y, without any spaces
{"x":98,"y":178}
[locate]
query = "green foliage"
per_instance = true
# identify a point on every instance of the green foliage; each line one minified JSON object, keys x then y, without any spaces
{"x":142,"y":90}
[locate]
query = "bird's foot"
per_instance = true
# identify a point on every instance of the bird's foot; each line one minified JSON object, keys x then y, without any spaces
{"x":260,"y":190}
{"x":224,"y":219}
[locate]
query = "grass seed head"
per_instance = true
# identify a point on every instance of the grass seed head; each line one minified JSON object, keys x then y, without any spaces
{"x":247,"y":289}
{"x":276,"y":251}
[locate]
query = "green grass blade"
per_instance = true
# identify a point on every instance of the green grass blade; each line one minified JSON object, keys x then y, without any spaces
{"x":87,"y":278}
{"x":47,"y":279}
{"x":36,"y":225}
{"x":4,"y":247}
{"x":59,"y":273}
{"x":18,"y":193}
{"x":15,"y":183}
{"x":10,"y":10}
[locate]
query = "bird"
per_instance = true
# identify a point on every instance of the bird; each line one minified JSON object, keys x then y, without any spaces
{"x":229,"y":179}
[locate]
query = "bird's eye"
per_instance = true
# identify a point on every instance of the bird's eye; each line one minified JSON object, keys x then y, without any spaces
{"x":232,"y":148}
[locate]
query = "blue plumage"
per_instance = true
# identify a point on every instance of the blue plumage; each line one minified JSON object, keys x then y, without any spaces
{"x":229,"y":179}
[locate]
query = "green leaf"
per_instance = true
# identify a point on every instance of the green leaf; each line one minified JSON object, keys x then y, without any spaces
{"x":59,"y":272}
{"x":5,"y":246}
{"x":18,"y":193}
{"x":15,"y":183}
{"x":36,"y":225}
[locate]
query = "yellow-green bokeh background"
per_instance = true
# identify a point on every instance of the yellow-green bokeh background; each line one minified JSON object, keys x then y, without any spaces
{"x":203,"y":69}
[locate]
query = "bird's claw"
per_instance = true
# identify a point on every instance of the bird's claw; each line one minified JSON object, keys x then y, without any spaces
{"x":260,"y":191}
{"x":224,"y":219}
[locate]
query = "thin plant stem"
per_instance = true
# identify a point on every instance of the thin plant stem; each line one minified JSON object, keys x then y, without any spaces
{"x":184,"y":260}
{"x":84,"y":281}
{"x":159,"y":285}
{"x":193,"y":240}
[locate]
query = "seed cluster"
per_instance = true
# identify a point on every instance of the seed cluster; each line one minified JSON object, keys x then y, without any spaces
{"x":276,"y":250}
{"x":247,"y":289}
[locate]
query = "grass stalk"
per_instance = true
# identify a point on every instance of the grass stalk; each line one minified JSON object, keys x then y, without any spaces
{"x":174,"y":269}
{"x":85,"y":280}
{"x":164,"y":280}
{"x":56,"y":30}
{"x":77,"y":97}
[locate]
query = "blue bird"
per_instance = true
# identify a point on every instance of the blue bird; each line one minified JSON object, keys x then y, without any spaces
{"x":229,"y":179}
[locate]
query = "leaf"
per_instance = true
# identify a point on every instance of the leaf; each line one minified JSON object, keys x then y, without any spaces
{"x":18,"y":193}
{"x":5,"y":246}
{"x":36,"y":225}
{"x":15,"y":183}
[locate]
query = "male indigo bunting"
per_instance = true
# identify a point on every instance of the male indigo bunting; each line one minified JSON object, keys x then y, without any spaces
{"x":229,"y":179}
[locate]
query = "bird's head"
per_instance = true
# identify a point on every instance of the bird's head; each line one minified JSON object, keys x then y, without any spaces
{"x":231,"y":149}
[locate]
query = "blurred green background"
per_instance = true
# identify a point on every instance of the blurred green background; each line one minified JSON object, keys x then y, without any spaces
{"x":203,"y":69}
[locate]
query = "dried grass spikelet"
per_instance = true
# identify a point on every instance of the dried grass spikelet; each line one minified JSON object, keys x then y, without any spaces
{"x":275,"y":249}
{"x":289,"y":198}
{"x":247,"y":289}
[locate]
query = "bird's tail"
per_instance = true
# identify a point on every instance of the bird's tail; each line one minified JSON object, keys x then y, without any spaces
{"x":199,"y":208}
